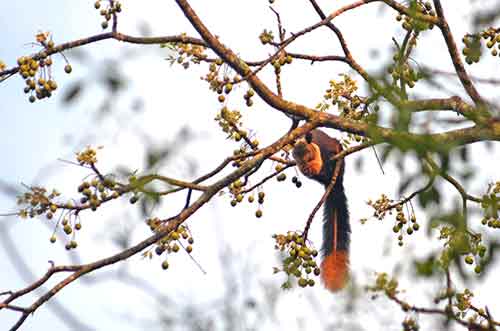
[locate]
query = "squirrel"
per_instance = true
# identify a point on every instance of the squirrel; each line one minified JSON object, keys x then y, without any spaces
{"x":313,"y":156}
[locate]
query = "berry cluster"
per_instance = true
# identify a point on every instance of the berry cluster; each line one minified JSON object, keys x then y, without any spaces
{"x":39,"y":201}
{"x":410,"y":324}
{"x":223,"y":84}
{"x":493,"y":37}
{"x":236,"y":189}
{"x":112,"y":7}
{"x":216,"y":82}
{"x":297,"y":182}
{"x":173,"y":242}
{"x":472,"y":48}
{"x":93,"y":192}
{"x":97,"y":191}
{"x":37,"y":76}
{"x":384,"y":284}
{"x":380,"y":206}
{"x":186,"y":53}
{"x":342,"y":94}
{"x":472,"y":44}
{"x":88,"y":156}
{"x":462,"y":242}
{"x":260,"y":200}
{"x":36,"y":70}
{"x":266,"y":37}
{"x":463,"y":300}
{"x":402,"y":225}
{"x":240,"y":155}
{"x":248,"y":97}
{"x":403,"y":71}
{"x":298,"y":261}
{"x":229,"y":121}
{"x":411,"y":22}
{"x":491,"y":206}
{"x":282,"y":176}
{"x":282,"y":59}
{"x":69,"y":224}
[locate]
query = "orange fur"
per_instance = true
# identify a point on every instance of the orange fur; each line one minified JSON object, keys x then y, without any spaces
{"x":335,"y":270}
{"x":311,"y":163}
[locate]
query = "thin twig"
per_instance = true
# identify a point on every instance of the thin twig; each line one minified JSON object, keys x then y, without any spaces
{"x":338,"y":166}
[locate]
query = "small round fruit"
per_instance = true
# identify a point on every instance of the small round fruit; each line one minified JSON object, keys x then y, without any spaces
{"x":68,"y":68}
{"x":164,"y":265}
{"x":302,"y":282}
{"x":281,"y":177}
{"x":258,"y":213}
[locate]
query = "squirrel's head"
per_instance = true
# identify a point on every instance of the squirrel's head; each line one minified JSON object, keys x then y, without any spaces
{"x":308,"y":156}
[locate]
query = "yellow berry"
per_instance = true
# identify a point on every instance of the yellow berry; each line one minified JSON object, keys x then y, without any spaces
{"x":164,"y":265}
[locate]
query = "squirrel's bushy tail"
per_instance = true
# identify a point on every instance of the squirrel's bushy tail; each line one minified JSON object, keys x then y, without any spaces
{"x":336,"y":238}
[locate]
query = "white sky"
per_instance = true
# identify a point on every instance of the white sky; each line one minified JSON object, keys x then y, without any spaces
{"x":32,"y":139}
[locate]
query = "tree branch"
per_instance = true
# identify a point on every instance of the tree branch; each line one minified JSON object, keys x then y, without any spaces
{"x":170,"y":225}
{"x":457,"y":61}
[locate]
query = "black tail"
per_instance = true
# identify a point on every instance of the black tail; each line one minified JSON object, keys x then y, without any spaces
{"x":336,"y":239}
{"x":336,"y":210}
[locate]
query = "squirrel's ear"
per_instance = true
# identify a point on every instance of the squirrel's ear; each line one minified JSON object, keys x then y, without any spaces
{"x":309,"y":137}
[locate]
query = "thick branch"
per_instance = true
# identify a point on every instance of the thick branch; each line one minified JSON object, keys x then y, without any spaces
{"x":454,"y":103}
